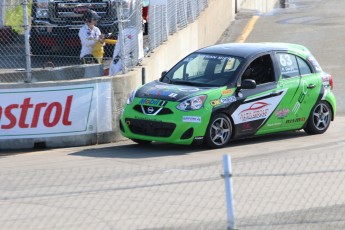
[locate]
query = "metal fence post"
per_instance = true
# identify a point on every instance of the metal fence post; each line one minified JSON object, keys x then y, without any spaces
{"x":143,"y":75}
{"x":229,"y":192}
{"x":121,"y":20}
{"x":2,"y":13}
{"x":27,"y":44}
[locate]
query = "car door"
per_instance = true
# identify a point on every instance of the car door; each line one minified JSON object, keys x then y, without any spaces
{"x":299,"y":79}
{"x":254,"y":107}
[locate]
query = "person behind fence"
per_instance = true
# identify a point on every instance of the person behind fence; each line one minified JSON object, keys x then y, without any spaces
{"x":89,"y":35}
{"x":128,"y":37}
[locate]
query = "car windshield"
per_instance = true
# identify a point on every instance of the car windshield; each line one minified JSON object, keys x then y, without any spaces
{"x":202,"y":69}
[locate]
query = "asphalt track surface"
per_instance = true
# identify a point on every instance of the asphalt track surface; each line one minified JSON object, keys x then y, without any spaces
{"x":284,"y":181}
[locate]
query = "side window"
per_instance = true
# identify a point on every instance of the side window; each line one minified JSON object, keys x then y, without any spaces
{"x":313,"y":61}
{"x":288,"y":65}
{"x":303,"y":66}
{"x":260,"y":70}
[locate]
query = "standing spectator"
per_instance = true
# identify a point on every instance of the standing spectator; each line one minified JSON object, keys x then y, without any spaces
{"x":89,"y":35}
{"x":145,"y":15}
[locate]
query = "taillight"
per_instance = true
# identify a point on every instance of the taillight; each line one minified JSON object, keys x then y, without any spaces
{"x":327,"y":81}
{"x":331,"y":81}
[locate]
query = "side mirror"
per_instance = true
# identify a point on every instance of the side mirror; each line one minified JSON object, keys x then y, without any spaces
{"x":161,"y":79}
{"x":248,"y":84}
{"x":163,"y":73}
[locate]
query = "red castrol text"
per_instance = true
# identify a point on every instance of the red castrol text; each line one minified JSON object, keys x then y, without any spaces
{"x":46,"y":114}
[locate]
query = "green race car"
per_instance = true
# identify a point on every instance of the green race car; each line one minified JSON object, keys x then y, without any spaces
{"x":232,"y":91}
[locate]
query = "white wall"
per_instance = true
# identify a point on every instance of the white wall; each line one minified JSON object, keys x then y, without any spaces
{"x":257,"y":5}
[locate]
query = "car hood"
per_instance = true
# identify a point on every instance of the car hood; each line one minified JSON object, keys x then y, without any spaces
{"x":169,"y":92}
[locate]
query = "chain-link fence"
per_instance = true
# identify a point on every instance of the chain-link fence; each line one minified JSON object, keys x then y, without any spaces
{"x":114,"y":198}
{"x":167,"y":16}
{"x":43,"y":34}
{"x":302,"y":192}
{"x":12,"y":43}
{"x":271,"y":192}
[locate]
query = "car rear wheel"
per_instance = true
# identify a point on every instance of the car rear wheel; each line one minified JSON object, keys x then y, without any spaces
{"x":319,"y":119}
{"x":219,"y":131}
{"x":141,"y":142}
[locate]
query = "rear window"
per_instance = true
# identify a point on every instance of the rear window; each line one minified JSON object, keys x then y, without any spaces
{"x":314,"y":62}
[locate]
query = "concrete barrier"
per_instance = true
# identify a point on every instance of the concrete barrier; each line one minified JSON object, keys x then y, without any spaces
{"x":202,"y":32}
{"x":54,"y":73}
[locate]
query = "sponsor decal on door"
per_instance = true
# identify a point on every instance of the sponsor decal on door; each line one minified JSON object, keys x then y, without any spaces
{"x":257,"y":109}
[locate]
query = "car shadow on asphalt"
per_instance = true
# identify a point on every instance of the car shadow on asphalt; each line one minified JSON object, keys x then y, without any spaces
{"x":269,"y":138}
{"x":153,"y":150}
{"x":10,"y":152}
{"x":130,"y":149}
{"x":136,"y":151}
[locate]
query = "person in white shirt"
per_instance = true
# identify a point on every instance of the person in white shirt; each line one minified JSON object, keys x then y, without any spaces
{"x":89,"y":35}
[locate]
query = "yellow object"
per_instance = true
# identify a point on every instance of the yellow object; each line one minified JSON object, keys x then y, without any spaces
{"x":98,"y":50}
{"x":110,"y":41}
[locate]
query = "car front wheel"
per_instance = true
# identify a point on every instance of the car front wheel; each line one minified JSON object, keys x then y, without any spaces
{"x":219,"y":131}
{"x":319,"y":119}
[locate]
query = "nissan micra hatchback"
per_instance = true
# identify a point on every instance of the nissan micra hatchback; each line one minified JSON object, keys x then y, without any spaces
{"x":230,"y":91}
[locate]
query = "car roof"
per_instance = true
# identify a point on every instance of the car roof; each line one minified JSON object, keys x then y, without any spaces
{"x":249,"y":49}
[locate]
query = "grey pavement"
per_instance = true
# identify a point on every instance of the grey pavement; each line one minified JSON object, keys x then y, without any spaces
{"x":316,"y":24}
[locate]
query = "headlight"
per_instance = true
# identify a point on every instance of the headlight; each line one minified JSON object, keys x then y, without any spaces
{"x":193,"y":103}
{"x":41,"y":9}
{"x":42,"y":13}
{"x":131,"y":97}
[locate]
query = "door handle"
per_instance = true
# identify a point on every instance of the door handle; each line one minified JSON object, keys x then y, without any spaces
{"x":276,"y":93}
{"x":311,"y":86}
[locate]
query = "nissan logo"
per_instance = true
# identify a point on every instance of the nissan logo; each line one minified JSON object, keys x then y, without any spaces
{"x":150,"y":110}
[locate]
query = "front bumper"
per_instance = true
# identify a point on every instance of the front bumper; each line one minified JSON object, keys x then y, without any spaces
{"x":178,"y":127}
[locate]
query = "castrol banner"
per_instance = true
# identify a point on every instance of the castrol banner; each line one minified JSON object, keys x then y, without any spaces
{"x":55,"y":111}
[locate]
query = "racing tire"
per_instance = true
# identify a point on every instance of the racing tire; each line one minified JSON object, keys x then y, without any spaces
{"x":319,"y":118}
{"x":219,"y":131}
{"x":141,"y":142}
